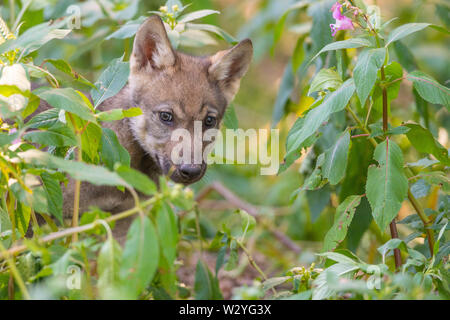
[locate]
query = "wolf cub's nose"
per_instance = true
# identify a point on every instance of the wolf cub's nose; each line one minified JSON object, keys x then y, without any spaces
{"x":190,"y":171}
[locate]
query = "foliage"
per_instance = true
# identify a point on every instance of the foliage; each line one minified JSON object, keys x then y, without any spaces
{"x":342,"y":106}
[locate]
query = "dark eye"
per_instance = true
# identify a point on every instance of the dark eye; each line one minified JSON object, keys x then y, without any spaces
{"x":165,"y":116}
{"x":210,"y":121}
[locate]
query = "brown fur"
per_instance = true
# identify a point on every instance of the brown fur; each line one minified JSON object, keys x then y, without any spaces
{"x":162,"y":79}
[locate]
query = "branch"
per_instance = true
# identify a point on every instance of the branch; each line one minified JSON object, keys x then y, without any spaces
{"x":250,"y":209}
{"x":71,"y":231}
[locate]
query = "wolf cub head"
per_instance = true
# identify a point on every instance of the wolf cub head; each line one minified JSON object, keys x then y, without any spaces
{"x":178,"y":91}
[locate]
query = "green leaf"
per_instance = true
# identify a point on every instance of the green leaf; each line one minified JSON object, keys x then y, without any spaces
{"x":318,"y":198}
{"x":429,"y":89}
{"x":78,"y":170}
{"x":423,"y":141}
{"x":405,"y":56}
{"x":112,"y":151}
{"x":299,"y":53}
{"x":136,"y":179}
{"x":108,"y":266}
{"x":386,"y":185}
{"x":321,"y":288}
{"x":166,"y":224}
{"x":391,"y":245}
{"x":319,"y":11}
{"x":66,"y":99}
{"x":336,"y":157}
{"x":344,"y":44}
{"x":325,"y":79}
{"x":45,"y":119}
{"x":118,"y":114}
{"x":140,"y":256}
{"x":284,"y":92}
{"x":365,"y":73}
{"x":213,"y":29}
{"x":393,"y":72}
{"x":23,"y":215}
{"x":206,"y":285}
{"x":248,"y":222}
{"x":405,"y":30}
{"x":36,"y":36}
{"x":58,"y":136}
{"x":196,"y":15}
{"x":343,"y":218}
{"x":128,"y":30}
{"x":65,"y":67}
{"x":273,"y":282}
{"x":90,"y":141}
{"x":334,"y":102}
{"x":436,"y":178}
{"x":278,"y":30}
{"x":111,"y":81}
{"x":54,"y":196}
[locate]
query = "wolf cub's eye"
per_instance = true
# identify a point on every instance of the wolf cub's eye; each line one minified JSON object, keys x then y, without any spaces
{"x":165,"y":116}
{"x":210,"y":121}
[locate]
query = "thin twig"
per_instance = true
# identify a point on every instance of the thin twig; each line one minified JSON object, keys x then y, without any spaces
{"x":70,"y":231}
{"x":250,"y":209}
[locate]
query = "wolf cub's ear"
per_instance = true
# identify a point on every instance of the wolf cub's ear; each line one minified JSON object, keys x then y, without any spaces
{"x":229,"y":66}
{"x":152,"y":47}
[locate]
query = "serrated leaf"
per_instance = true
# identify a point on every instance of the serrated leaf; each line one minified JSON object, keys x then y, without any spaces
{"x":128,"y":30}
{"x":206,"y":286}
{"x":325,"y":79}
{"x":59,"y":136}
{"x":108,"y":266}
{"x":80,"y":171}
{"x":66,"y":99}
{"x":112,"y":151}
{"x":213,"y":29}
{"x":365,"y":72}
{"x":54,"y":196}
{"x":386,"y":185}
{"x":343,"y":217}
{"x":140,"y":256}
{"x":65,"y":67}
{"x":334,"y":102}
{"x":90,"y":141}
{"x":405,"y":30}
{"x":196,"y":15}
{"x":136,"y":179}
{"x":45,"y":119}
{"x":429,"y":89}
{"x":335,"y":163}
{"x":344,"y":44}
{"x":166,"y":224}
{"x":423,"y":141}
{"x":111,"y":81}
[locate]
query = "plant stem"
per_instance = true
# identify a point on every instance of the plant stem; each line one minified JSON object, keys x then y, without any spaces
{"x":76,"y":199}
{"x":15,"y":273}
{"x":70,"y":231}
{"x":253,"y":263}
{"x":392,"y":225}
{"x":411,"y":197}
{"x":12,"y":12}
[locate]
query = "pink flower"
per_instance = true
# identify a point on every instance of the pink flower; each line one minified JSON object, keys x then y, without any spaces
{"x":342,"y":22}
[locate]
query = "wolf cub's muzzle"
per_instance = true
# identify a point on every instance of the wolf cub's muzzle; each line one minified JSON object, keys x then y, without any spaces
{"x":188,"y":173}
